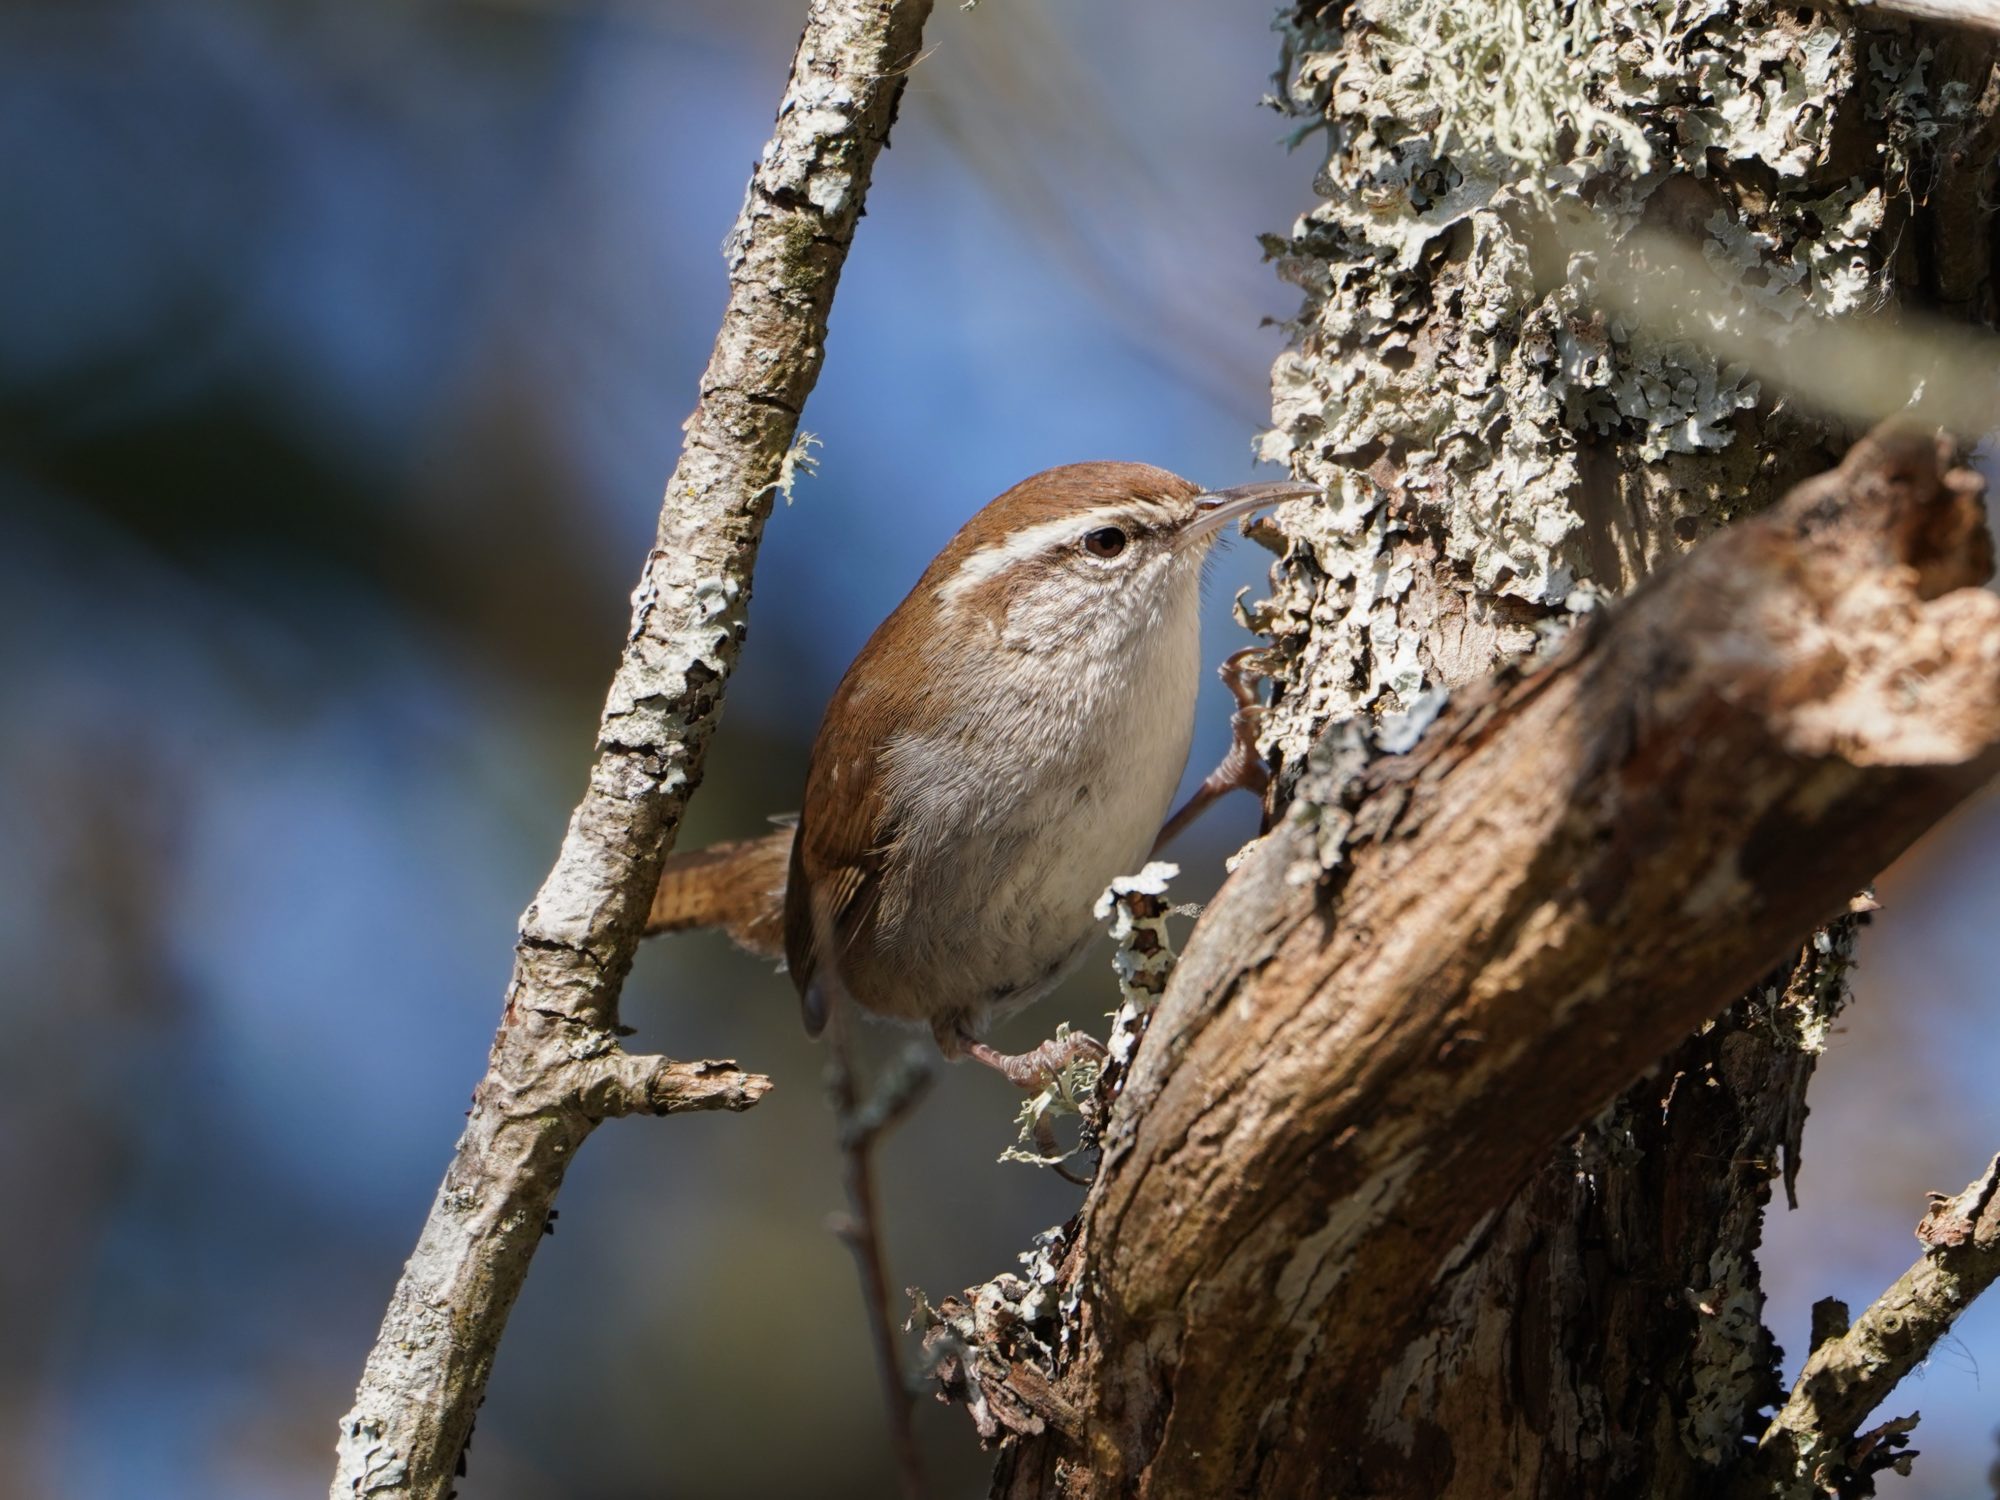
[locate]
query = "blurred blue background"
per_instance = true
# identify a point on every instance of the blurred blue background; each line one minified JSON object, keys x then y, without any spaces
{"x":343,"y":351}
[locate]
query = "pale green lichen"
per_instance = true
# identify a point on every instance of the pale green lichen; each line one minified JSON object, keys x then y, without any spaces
{"x":1487,"y":167}
{"x":1320,"y":800}
{"x":1137,"y":908}
{"x":1510,"y":79}
{"x":1769,"y":91}
{"x":1068,"y":1092}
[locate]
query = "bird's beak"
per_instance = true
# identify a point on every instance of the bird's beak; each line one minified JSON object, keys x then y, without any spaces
{"x":1215,"y":509}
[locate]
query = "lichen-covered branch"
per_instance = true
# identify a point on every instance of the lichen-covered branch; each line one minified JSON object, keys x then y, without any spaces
{"x":556,"y":1066}
{"x":1443,"y":961}
{"x":1815,"y":1446}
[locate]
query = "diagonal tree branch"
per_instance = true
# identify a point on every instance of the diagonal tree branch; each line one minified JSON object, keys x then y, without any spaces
{"x":1815,"y":1441}
{"x":1443,"y":961}
{"x":556,"y":1067}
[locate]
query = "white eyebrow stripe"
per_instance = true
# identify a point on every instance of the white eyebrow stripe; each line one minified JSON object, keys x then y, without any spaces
{"x":992,"y":560}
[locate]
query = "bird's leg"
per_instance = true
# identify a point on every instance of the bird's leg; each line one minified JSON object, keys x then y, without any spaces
{"x":1242,"y":766}
{"x":1034,"y":1070}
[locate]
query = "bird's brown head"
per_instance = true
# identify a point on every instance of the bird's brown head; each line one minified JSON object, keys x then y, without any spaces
{"x":1091,"y":550}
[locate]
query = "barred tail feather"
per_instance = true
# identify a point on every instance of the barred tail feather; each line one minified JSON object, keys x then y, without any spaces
{"x":739,"y":887}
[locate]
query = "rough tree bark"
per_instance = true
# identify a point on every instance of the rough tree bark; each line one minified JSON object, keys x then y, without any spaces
{"x":1299,"y":1278}
{"x":556,"y":1068}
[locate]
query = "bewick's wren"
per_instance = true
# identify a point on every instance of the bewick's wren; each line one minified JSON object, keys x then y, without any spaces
{"x":1006,"y":743}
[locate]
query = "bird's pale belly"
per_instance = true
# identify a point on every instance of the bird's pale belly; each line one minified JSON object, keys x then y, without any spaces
{"x":996,"y":917}
{"x":1009,"y":830}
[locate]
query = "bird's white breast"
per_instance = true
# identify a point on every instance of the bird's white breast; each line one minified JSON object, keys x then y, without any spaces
{"x":1016,"y":819}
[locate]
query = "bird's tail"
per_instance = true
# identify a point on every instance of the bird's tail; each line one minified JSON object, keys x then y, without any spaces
{"x":739,"y":887}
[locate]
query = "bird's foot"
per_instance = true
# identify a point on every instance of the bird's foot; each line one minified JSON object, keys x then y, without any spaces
{"x":1042,"y":1067}
{"x":1242,"y":767}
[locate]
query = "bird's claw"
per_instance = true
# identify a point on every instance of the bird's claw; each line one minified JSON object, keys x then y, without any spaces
{"x":1039,"y":1068}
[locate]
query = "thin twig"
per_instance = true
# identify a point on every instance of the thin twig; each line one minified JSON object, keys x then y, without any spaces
{"x":861,"y":1122}
{"x":556,"y":1067}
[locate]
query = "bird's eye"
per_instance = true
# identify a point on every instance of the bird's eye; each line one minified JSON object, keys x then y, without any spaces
{"x":1106,"y":541}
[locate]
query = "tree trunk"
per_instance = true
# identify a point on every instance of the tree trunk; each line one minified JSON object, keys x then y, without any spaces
{"x":1505,"y":451}
{"x":1523,"y":452}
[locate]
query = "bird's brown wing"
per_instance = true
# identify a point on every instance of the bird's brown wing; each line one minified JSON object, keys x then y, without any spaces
{"x":844,"y":837}
{"x":830,"y":898}
{"x":848,"y":828}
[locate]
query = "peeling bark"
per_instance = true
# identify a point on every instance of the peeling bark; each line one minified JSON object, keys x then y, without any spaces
{"x":556,"y":1067}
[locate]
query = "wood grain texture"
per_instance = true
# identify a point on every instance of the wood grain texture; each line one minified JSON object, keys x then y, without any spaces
{"x":1356,"y":1065}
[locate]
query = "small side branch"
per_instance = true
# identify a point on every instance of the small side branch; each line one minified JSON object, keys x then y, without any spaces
{"x":1815,"y":1442}
{"x":621,"y":1083}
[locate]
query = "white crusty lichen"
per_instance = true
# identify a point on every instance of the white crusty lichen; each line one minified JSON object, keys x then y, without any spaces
{"x":797,"y":462}
{"x":1492,"y":434}
{"x":1508,"y":80}
{"x":1137,"y":908}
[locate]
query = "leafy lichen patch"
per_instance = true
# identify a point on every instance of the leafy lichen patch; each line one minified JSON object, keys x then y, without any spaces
{"x":1453,"y":380}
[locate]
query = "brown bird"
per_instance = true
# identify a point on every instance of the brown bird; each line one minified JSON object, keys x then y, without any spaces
{"x":1006,"y":743}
